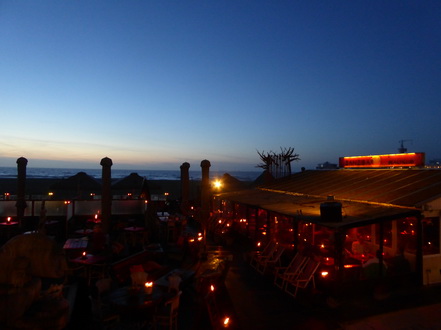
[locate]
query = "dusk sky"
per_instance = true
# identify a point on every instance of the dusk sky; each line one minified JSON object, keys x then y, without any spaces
{"x":153,"y":84}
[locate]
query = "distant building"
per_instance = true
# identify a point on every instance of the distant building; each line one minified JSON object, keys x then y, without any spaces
{"x":434,"y":163}
{"x":326,"y":166}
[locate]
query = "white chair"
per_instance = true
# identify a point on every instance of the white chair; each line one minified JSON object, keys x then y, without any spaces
{"x":267,"y":252}
{"x":281,"y":274}
{"x":273,"y":260}
{"x":302,"y":280}
{"x":168,"y":317}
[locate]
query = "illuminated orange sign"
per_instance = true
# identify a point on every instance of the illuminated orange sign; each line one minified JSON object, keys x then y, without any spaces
{"x":411,"y":159}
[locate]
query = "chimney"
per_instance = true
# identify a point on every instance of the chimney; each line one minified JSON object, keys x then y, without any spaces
{"x":330,"y":211}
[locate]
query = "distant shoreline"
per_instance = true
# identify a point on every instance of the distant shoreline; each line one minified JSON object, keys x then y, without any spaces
{"x":64,"y":173}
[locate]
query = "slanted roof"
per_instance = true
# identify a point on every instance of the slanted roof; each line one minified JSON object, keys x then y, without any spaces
{"x":397,"y":187}
{"x":130,"y":182}
{"x":79,"y":181}
{"x":308,"y":208}
{"x":367,"y":196}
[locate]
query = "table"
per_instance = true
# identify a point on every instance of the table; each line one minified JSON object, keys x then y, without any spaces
{"x":95,"y":265}
{"x":8,"y":229}
{"x":135,"y":304}
{"x":185,"y":274}
{"x":136,"y":235}
{"x":86,"y":231}
{"x":51,"y":222}
{"x":75,"y":243}
{"x":90,"y":259}
{"x":9,"y":223}
{"x":134,"y":229}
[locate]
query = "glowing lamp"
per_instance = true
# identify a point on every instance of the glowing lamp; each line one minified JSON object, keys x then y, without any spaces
{"x":226,"y":322}
{"x":324,"y":274}
{"x":148,"y":287}
{"x":8,"y":219}
{"x":212,"y":288}
{"x":217,"y":184}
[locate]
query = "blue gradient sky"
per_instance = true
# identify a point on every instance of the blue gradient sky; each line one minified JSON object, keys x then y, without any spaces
{"x":152,"y":84}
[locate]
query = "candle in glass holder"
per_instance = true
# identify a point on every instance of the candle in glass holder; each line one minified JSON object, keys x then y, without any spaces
{"x":84,"y":256}
{"x":148,"y":287}
{"x":8,"y":219}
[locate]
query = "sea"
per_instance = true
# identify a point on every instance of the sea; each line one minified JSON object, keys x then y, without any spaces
{"x":61,"y":173}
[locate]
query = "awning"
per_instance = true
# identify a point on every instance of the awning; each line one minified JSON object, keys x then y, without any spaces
{"x":307,"y":208}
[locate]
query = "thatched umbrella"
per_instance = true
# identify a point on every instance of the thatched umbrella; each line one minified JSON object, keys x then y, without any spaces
{"x":79,"y":186}
{"x":230,"y":183}
{"x":133,"y":184}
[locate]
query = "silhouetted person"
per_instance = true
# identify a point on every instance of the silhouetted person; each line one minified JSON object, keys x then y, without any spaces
{"x":372,"y":267}
{"x":399,"y":265}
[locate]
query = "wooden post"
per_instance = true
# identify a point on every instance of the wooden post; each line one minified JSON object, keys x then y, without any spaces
{"x":106,"y":195}
{"x":185,"y":188}
{"x":21,"y":189}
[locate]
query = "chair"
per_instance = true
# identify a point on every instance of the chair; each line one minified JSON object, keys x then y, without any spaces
{"x":167,"y":317}
{"x":174,"y":282}
{"x":281,"y":274}
{"x":267,"y":252}
{"x":302,"y":280}
{"x":101,"y":307}
{"x":96,"y":272}
{"x":273,"y":260}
